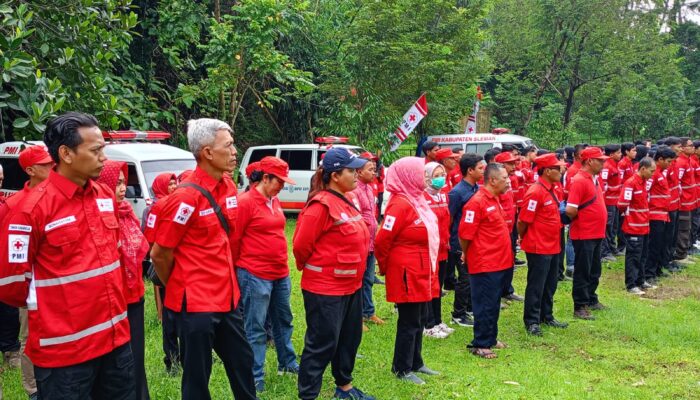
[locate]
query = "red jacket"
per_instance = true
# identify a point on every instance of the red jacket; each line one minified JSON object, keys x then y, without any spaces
{"x":570,"y":173}
{"x":610,"y":177}
{"x":633,"y":202}
{"x":671,"y":174}
{"x":331,"y":245}
{"x":626,"y":168}
{"x":63,"y":239}
{"x":659,"y":197}
{"x":439,"y":204}
{"x":403,"y":255}
{"x":686,"y":177}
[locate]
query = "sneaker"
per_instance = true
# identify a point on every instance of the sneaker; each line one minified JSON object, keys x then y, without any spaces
{"x":464,"y":321}
{"x":435,"y":333}
{"x":583,"y":313}
{"x":427,"y":371}
{"x":636,"y":291}
{"x":260,"y":386}
{"x":293,"y":370}
{"x":443,"y":327}
{"x":649,"y":285}
{"x":533,"y":330}
{"x":684,"y":262}
{"x":514,"y":297}
{"x":520,"y":263}
{"x":609,"y":259}
{"x":597,"y":307}
{"x":352,"y":394}
{"x":697,"y":244}
{"x":555,"y":324}
{"x":411,"y":377}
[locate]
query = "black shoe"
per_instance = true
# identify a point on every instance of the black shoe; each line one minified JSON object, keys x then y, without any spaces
{"x":597,"y":306}
{"x":449,"y":286}
{"x":583,"y":314}
{"x":533,"y":330}
{"x":555,"y":324}
{"x":514,"y":297}
{"x":520,"y":263}
{"x":464,"y":321}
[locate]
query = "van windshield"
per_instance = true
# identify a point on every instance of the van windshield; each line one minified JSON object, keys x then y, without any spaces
{"x":151,"y":169}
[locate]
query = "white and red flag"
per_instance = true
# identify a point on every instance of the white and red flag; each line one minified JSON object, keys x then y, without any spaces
{"x":410,"y":120}
{"x":471,"y":122}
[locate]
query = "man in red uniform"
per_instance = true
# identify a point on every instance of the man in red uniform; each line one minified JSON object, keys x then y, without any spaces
{"x":484,"y":237}
{"x":610,"y":178}
{"x":626,"y":168}
{"x":446,"y":157}
{"x":539,"y":226}
{"x":634,"y":204}
{"x":63,"y":263}
{"x":660,"y":228}
{"x":695,"y":226}
{"x":686,"y":177}
{"x":671,"y":173}
{"x":574,"y":168}
{"x":586,"y":208}
{"x":455,"y":176}
{"x":192,"y":255}
{"x":430,"y":150}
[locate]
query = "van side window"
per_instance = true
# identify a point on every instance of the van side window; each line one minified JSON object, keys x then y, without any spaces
{"x":259,"y":154}
{"x":297,"y":159}
{"x":479,"y":148}
{"x":15,"y":177}
{"x":133,"y":187}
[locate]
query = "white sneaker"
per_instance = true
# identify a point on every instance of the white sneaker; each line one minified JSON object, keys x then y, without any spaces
{"x":434,"y":332}
{"x":697,"y":244}
{"x":443,"y":327}
{"x":636,"y":290}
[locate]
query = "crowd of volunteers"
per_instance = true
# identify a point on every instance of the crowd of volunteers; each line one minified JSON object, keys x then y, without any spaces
{"x":75,"y":256}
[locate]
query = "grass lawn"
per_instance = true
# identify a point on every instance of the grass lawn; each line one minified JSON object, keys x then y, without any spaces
{"x":641,"y":348}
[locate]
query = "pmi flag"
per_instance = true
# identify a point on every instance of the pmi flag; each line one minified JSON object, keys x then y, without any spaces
{"x":410,"y":120}
{"x":471,"y":121}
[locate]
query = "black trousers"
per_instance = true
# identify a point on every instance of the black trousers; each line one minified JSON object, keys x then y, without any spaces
{"x":542,"y":279}
{"x":561,"y":266}
{"x":671,"y":244}
{"x":608,"y":246}
{"x":486,"y":298}
{"x":172,"y":347}
{"x":409,"y":337}
{"x":9,"y":328}
{"x":108,"y":377}
{"x":333,"y":335}
{"x":587,"y":271}
{"x":434,"y":312}
{"x":508,"y":288}
{"x":635,"y":259}
{"x":450,"y":281}
{"x":683,"y":240}
{"x":223,"y":332}
{"x":658,"y":231}
{"x":463,"y":297}
{"x":695,"y":226}
{"x":135,"y":316}
{"x":620,"y":235}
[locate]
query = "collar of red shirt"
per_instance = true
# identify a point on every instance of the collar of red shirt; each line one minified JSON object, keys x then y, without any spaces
{"x":205,"y":180}
{"x":487,"y":192}
{"x":68,"y":187}
{"x":260,"y":198}
{"x":585,"y":173}
{"x":547,"y":185}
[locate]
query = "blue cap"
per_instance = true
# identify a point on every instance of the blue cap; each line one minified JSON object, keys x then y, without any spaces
{"x":338,"y":158}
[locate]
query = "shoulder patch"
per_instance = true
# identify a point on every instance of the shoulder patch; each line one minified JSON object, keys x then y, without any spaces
{"x":105,"y":205}
{"x":184,"y":212}
{"x":231,"y":202}
{"x":18,"y":248}
{"x":389,"y":222}
{"x":628,"y":194}
{"x":151,"y":221}
{"x":532,"y":205}
{"x":469,"y":217}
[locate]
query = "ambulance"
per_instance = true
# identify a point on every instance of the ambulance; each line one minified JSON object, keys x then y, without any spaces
{"x":480,"y":143}
{"x":303,"y":160}
{"x":142,"y":152}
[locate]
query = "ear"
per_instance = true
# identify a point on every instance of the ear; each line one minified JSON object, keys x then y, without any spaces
{"x":206,"y":153}
{"x":65,"y":154}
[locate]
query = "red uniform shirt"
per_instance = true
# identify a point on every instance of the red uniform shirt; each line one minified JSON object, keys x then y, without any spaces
{"x":203,"y":266}
{"x":671,"y":174}
{"x":696,"y":163}
{"x":570,"y":173}
{"x":64,"y":240}
{"x":507,"y":201}
{"x":454,"y":176}
{"x":610,"y":177}
{"x":541,"y":213}
{"x":686,"y":177}
{"x":151,"y":221}
{"x":590,"y":222}
{"x":634,"y":204}
{"x":659,"y":197}
{"x":517,"y":189}
{"x":438,"y":203}
{"x":484,"y":224}
{"x":331,"y":245}
{"x":258,"y":242}
{"x":403,"y":254}
{"x":626,"y":168}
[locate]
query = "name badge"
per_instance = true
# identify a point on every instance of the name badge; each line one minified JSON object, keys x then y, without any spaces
{"x":206,"y":212}
{"x":489,"y":209}
{"x":105,"y":205}
{"x":231,"y":202}
{"x":59,"y":222}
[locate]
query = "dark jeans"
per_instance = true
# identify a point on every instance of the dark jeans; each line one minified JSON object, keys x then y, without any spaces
{"x":333,"y":335}
{"x":9,"y":328}
{"x":587,"y":271}
{"x":434,"y":312}
{"x":108,"y":377}
{"x":508,"y":288}
{"x":683,"y":241}
{"x":542,"y":279}
{"x":367,"y":284}
{"x":172,"y":347}
{"x":635,"y":259}
{"x":223,"y":332}
{"x":135,"y":316}
{"x":463,"y":297}
{"x":608,"y":246}
{"x":486,"y":298}
{"x":671,"y":244}
{"x":409,"y":337}
{"x":561,"y":267}
{"x":657,"y":248}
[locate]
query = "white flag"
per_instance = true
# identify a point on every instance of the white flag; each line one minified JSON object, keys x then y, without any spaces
{"x":410,"y":120}
{"x":471,"y":122}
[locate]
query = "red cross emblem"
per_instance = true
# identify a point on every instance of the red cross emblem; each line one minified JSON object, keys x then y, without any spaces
{"x":471,"y":129}
{"x":185,"y":211}
{"x":18,"y":245}
{"x":412,"y":118}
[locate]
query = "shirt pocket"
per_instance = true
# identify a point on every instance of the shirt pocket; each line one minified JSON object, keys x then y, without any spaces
{"x":347,"y":265}
{"x":64,"y":244}
{"x":208,"y":229}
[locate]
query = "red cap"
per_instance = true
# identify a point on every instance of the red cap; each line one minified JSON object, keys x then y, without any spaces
{"x":34,"y":155}
{"x":443,"y":154}
{"x":369,"y":156}
{"x":593,"y":153}
{"x":277,"y":167}
{"x":548,"y":160}
{"x":505,"y":157}
{"x":251,"y":168}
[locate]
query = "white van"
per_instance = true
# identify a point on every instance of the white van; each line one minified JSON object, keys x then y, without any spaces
{"x":144,"y":157}
{"x":481,"y":142}
{"x":303,"y":159}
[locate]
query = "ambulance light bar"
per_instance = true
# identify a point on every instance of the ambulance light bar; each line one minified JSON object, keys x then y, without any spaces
{"x":135,"y":135}
{"x":499,"y":131}
{"x":331,"y":140}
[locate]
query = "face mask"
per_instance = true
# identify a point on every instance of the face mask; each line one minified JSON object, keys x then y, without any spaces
{"x":438,"y":183}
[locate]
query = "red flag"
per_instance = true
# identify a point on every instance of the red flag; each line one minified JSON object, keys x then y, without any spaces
{"x":410,"y":120}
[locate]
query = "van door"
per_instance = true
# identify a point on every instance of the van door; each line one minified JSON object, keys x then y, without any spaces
{"x":301,"y":169}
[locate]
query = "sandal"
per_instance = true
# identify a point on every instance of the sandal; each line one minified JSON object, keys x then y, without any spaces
{"x":500,"y":345}
{"x":483,"y":353}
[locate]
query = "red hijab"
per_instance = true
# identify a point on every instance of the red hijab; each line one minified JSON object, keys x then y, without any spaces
{"x":161,"y":183}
